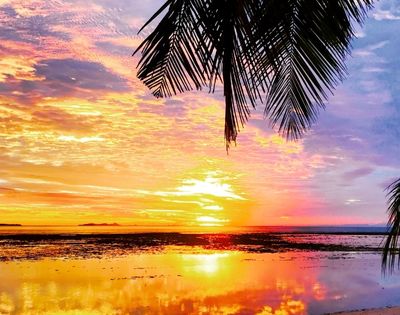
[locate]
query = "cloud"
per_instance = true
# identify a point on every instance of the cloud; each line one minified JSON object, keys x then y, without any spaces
{"x":385,"y":15}
{"x":62,"y":120}
{"x":386,"y":10}
{"x":29,"y":29}
{"x":76,"y":74}
{"x":357,"y":173}
{"x":114,"y":49}
{"x":63,"y":77}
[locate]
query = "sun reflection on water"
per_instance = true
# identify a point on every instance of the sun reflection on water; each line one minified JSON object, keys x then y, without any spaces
{"x":285,"y":308}
{"x":176,"y":281}
{"x":205,"y":263}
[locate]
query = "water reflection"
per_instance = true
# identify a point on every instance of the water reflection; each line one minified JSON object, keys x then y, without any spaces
{"x":205,"y":263}
{"x":172,"y":282}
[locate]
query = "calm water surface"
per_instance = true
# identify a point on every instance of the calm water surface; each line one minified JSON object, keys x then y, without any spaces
{"x":196,"y":279}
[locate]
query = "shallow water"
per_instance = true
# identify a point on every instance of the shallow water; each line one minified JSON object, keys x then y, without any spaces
{"x":194,"y":280}
{"x":256,"y":271}
{"x":130,"y":270}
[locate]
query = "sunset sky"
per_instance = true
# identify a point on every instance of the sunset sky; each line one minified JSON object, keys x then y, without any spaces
{"x":82,"y":140}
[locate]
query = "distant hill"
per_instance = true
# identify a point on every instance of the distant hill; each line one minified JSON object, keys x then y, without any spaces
{"x":4,"y":224}
{"x":99,"y":224}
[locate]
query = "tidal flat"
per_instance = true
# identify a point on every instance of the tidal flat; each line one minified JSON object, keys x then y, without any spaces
{"x":193,"y":273}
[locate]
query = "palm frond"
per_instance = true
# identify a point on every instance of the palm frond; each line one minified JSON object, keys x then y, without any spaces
{"x":313,"y":41}
{"x":289,"y":52}
{"x":391,"y":249}
{"x":171,"y":61}
{"x":198,"y":43}
{"x":232,"y":57}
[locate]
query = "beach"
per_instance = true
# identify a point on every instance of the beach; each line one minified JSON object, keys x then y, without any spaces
{"x":193,"y":273}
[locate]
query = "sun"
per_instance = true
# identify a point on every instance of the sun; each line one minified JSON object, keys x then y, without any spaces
{"x":209,"y":186}
{"x":211,"y":221}
{"x":206,"y":198}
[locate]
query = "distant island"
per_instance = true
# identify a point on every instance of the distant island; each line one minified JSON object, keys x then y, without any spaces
{"x":5,"y":224}
{"x":99,"y":224}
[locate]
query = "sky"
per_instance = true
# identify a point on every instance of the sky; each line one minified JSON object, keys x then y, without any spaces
{"x":83,"y":140}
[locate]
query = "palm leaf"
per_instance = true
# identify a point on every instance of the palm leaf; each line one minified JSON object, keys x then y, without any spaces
{"x":313,"y":42}
{"x":198,"y":43}
{"x":391,"y":251}
{"x":289,"y":52}
{"x":169,"y":62}
{"x":231,"y":32}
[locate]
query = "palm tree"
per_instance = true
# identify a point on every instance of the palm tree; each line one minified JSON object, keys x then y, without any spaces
{"x":287,"y":53}
{"x":391,"y":247}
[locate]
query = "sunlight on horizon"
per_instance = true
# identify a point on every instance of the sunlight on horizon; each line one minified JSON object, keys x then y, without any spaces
{"x":209,"y":186}
{"x":211,"y":221}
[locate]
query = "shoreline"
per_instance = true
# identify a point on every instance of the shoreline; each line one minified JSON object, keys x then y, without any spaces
{"x":38,"y":246}
{"x":389,"y":310}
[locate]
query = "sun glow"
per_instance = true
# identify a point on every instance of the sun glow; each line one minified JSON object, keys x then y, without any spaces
{"x":213,"y":208}
{"x":209,"y":186}
{"x":204,"y":198}
{"x":215,"y":189}
{"x":211,"y":221}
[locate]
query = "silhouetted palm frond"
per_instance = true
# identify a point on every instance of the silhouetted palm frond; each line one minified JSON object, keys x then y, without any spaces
{"x":314,"y":39}
{"x":289,"y":52}
{"x":391,"y":250}
{"x":198,"y":43}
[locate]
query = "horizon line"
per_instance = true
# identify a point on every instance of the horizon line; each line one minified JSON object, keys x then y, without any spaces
{"x":177,"y":225}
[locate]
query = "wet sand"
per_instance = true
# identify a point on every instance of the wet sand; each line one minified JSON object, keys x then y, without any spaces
{"x":39,"y":246}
